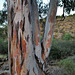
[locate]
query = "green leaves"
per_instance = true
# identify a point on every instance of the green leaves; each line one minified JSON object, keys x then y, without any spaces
{"x":68,"y":65}
{"x":62,"y":49}
{"x":42,"y":8}
{"x":67,"y":37}
{"x":3,"y":16}
{"x":68,"y":5}
{"x":3,"y":46}
{"x":3,"y":13}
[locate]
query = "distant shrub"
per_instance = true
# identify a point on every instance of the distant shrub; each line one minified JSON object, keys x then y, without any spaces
{"x":67,"y":37}
{"x":71,"y":15}
{"x":62,"y":49}
{"x":68,"y":65}
{"x":55,"y":53}
{"x":58,"y":16}
{"x":3,"y":47}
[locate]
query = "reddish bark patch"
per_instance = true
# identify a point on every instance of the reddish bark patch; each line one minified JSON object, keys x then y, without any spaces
{"x":18,"y":9}
{"x":21,"y":24}
{"x":34,"y":71}
{"x":18,"y":67}
{"x":14,"y":35}
{"x":37,"y":39}
{"x":37,"y":22}
{"x":19,"y":2}
{"x":51,"y":19}
{"x":23,"y":46}
{"x":36,"y":43}
{"x":52,"y":16}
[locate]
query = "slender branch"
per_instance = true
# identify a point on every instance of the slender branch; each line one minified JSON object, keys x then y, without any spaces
{"x":49,"y":28}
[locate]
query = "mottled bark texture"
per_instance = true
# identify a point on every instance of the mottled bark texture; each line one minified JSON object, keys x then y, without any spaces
{"x":27,"y":53}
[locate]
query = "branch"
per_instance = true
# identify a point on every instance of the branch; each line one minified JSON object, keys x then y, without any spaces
{"x":49,"y":28}
{"x":35,"y":29}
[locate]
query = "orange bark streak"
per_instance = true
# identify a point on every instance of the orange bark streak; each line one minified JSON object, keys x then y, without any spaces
{"x":17,"y":9}
{"x":36,"y":38}
{"x":18,"y":67}
{"x":49,"y":34}
{"x":24,"y":47}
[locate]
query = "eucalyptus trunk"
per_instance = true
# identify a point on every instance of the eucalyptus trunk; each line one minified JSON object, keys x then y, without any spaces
{"x":27,"y":53}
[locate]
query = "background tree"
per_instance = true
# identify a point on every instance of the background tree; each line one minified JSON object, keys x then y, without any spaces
{"x":27,"y":54}
{"x":3,"y":21}
{"x":3,"y":13}
{"x":67,"y":5}
{"x":42,"y":8}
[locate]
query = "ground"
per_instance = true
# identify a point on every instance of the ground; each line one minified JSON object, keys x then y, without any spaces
{"x":51,"y":69}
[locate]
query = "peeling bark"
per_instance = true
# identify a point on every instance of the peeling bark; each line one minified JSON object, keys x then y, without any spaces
{"x":49,"y":27}
{"x":26,"y":53}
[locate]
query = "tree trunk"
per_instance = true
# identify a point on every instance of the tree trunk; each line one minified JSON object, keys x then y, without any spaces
{"x":27,"y":53}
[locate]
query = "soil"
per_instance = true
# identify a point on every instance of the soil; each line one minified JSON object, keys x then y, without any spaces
{"x":4,"y":68}
{"x":51,"y":68}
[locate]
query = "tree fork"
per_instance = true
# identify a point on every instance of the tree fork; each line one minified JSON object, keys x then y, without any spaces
{"x":26,"y":53}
